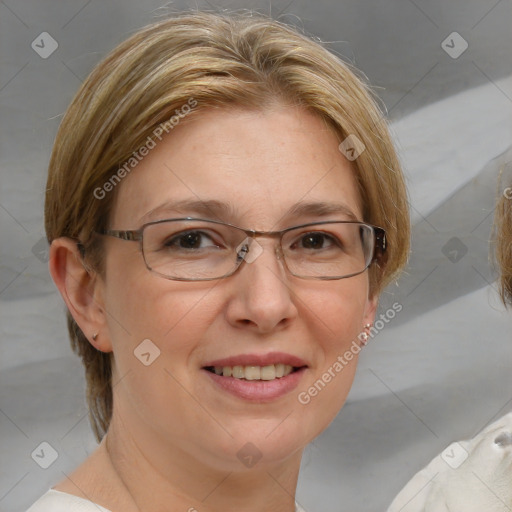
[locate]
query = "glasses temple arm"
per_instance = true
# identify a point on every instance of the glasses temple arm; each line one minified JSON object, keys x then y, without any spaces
{"x":130,"y":235}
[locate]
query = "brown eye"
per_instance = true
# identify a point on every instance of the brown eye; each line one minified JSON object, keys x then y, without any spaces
{"x":190,"y":240}
{"x":315,"y":241}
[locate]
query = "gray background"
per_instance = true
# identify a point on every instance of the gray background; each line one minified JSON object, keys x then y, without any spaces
{"x":440,"y":371}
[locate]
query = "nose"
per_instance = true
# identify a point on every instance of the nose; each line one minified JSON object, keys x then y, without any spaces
{"x":262,"y":298}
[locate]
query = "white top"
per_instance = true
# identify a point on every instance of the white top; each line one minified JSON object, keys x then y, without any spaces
{"x":57,"y":501}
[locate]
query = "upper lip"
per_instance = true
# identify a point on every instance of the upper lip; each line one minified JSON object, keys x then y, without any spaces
{"x":258,"y":360}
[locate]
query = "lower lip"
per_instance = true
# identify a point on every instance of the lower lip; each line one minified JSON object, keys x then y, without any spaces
{"x":258,"y":390}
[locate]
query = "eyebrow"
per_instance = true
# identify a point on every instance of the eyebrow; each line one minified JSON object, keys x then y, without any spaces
{"x":207,"y":208}
{"x":219,"y":210}
{"x":321,"y":209}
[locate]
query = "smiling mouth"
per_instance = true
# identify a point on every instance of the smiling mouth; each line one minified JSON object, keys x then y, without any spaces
{"x":250,"y":372}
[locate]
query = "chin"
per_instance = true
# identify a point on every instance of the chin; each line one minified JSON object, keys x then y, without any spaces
{"x":269,"y":441}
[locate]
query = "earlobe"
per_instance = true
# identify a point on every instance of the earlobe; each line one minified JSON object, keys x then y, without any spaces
{"x":371,"y":309}
{"x":81,"y":290}
{"x":368,"y":319}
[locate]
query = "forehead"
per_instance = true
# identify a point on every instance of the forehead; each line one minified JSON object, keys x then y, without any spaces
{"x":261,"y":167}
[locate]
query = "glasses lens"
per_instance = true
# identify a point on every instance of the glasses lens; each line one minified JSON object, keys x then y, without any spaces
{"x":191,"y":249}
{"x":195,"y":250}
{"x":329,"y":251}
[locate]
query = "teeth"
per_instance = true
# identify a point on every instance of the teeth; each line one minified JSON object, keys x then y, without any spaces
{"x":238,"y":372}
{"x":253,"y":373}
{"x":269,"y":372}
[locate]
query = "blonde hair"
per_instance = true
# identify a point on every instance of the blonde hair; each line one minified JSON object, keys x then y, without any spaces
{"x":246,"y":61}
{"x":502,"y":234}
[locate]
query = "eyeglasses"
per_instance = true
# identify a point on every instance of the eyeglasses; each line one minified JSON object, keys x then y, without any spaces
{"x":190,"y":249}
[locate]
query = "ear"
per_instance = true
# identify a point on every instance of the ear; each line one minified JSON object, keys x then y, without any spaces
{"x":371,"y":309}
{"x":81,"y":289}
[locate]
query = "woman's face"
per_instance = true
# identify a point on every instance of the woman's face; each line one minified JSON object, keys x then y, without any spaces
{"x":258,"y":168}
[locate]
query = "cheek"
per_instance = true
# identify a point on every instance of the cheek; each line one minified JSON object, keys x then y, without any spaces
{"x":175,"y":318}
{"x":335,"y":316}
{"x":143,"y":306}
{"x":336,"y":312}
{"x":160,"y":309}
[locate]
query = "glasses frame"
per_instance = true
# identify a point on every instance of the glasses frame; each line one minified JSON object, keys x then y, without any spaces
{"x":136,"y":235}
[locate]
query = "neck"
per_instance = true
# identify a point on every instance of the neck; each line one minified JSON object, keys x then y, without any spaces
{"x":164,"y":477}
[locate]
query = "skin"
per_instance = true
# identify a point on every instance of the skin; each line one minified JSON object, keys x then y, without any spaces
{"x":174,"y":436}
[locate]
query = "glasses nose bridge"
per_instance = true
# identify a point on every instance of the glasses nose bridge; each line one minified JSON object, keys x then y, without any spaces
{"x":277,"y":236}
